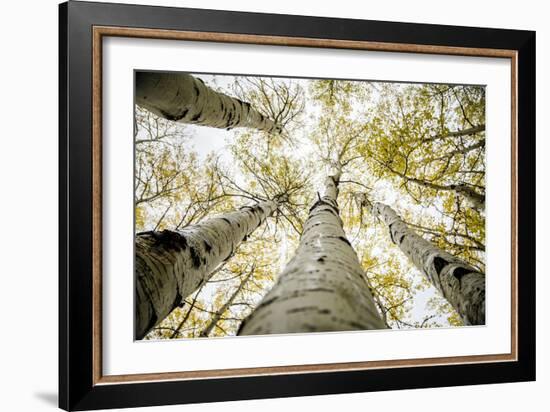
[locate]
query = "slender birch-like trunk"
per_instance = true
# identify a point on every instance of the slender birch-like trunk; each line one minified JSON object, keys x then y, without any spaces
{"x":476,"y":199}
{"x":218,"y":315}
{"x":321,"y":288}
{"x":183,"y":98}
{"x":464,"y":150}
{"x":462,"y":285}
{"x":458,"y":133}
{"x":170,"y":265}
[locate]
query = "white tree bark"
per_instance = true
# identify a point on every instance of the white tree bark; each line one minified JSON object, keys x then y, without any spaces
{"x":321,"y":288}
{"x":170,"y":265}
{"x":216,"y":317}
{"x":462,"y":285}
{"x":458,"y":133}
{"x":476,"y":199}
{"x":186,"y":99}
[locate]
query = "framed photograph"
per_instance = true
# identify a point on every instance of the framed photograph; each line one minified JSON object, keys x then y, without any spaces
{"x":256,"y":205}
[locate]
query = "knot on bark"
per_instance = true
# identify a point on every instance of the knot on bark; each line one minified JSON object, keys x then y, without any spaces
{"x":322,"y":202}
{"x":168,"y":239}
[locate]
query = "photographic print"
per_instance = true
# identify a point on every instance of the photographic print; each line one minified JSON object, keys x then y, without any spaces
{"x":271,"y":205}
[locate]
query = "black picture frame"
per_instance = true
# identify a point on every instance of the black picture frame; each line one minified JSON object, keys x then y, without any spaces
{"x":77,"y":390}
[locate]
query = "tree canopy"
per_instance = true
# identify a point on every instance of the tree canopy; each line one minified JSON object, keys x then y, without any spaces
{"x":418,"y":148}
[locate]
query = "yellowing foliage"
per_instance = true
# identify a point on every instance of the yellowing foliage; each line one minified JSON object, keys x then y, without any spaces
{"x":407,"y":145}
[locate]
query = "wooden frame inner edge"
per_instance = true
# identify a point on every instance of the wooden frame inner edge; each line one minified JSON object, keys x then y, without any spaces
{"x":100,"y":31}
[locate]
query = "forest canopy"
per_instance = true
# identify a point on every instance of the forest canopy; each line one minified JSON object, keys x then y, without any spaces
{"x":279,"y":205}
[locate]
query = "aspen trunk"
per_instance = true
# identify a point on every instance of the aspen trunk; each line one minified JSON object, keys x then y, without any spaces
{"x":458,"y":133}
{"x":461,"y":284}
{"x":218,"y":315}
{"x":321,"y":288}
{"x":476,"y":199}
{"x":186,"y":99}
{"x":170,"y":265}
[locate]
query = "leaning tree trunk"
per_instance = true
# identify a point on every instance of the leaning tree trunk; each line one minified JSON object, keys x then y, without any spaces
{"x":170,"y":265}
{"x":458,"y":133}
{"x":476,"y":199}
{"x":186,"y":99}
{"x":322,"y":287}
{"x":462,"y":285}
{"x":216,"y":317}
